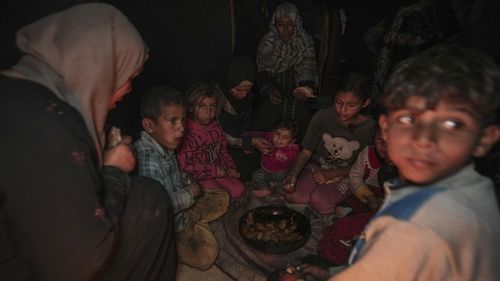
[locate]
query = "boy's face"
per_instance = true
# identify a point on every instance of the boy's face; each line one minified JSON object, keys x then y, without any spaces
{"x":204,"y":110}
{"x":285,"y":27}
{"x":168,"y":128}
{"x":427,"y":145}
{"x":381,"y":146}
{"x":348,"y":105}
{"x":282,"y":137}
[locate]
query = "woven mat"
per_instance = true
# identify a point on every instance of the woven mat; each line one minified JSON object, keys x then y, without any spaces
{"x":238,"y":260}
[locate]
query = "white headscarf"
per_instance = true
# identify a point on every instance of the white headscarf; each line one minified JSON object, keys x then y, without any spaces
{"x":83,"y":54}
{"x":276,"y":56}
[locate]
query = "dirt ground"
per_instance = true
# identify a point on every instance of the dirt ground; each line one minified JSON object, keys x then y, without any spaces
{"x":185,"y":273}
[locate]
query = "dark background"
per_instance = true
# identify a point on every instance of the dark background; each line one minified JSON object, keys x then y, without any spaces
{"x":188,"y":38}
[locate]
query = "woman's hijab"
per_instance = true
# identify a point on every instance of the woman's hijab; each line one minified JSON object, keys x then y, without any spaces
{"x":276,"y":56}
{"x":230,"y":74}
{"x":83,"y":54}
{"x":237,"y":70}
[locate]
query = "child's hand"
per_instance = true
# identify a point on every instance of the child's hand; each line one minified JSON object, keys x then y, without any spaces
{"x":314,"y":270}
{"x":319,"y":176}
{"x":121,"y":155}
{"x":233,"y":173}
{"x":372,"y":202}
{"x":291,"y":274}
{"x":289,"y":182}
{"x":195,"y":190}
{"x":221,"y":172}
{"x":325,"y":176}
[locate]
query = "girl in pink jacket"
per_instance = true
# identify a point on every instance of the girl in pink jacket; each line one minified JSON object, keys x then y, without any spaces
{"x":203,"y":152}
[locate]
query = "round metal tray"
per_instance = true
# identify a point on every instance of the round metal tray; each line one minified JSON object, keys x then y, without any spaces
{"x":267,"y":214}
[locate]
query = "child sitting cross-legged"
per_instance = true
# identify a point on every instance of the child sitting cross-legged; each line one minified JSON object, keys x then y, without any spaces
{"x":335,"y":136}
{"x":163,"y":111}
{"x":364,"y":176}
{"x":203,"y":153}
{"x":365,"y":181}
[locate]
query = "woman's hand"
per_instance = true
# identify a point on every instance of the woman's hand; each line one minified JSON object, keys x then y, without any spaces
{"x":275,"y":96}
{"x":232,"y":140}
{"x":302,"y":93}
{"x":373,"y":203}
{"x":121,"y":155}
{"x":262,"y":145}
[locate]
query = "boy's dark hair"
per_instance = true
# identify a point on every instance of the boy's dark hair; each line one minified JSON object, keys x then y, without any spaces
{"x":155,"y":98}
{"x":450,"y":73}
{"x":288,"y":124}
{"x":199,"y":90}
{"x":355,"y":82}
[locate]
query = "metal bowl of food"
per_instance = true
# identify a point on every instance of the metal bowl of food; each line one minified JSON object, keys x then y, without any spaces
{"x":274,"y":229}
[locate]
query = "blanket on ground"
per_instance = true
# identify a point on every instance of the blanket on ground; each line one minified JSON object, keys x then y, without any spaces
{"x":238,"y":259}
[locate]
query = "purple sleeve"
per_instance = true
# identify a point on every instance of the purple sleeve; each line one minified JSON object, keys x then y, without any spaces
{"x":257,"y":134}
{"x":225,"y":158}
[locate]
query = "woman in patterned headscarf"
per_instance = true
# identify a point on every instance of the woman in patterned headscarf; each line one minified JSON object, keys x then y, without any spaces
{"x":68,"y":208}
{"x":287,"y":68}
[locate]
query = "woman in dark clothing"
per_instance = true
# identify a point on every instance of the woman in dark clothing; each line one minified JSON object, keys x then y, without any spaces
{"x":68,"y":208}
{"x":236,"y":79}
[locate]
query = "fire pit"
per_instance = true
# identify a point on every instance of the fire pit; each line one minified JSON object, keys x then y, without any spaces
{"x":274,"y":229}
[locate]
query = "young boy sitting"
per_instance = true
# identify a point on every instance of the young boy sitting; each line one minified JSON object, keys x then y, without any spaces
{"x":163,"y":117}
{"x":440,"y":219}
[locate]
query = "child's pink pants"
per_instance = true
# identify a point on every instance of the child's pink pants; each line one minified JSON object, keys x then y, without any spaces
{"x":321,"y":197}
{"x":234,"y":187}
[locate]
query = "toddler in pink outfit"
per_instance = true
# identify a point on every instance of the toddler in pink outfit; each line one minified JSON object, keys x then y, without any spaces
{"x":275,"y":165}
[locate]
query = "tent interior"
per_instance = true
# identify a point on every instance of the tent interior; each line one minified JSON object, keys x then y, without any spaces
{"x":188,"y":38}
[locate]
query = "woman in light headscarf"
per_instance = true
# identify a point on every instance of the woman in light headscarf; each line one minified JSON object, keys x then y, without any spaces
{"x":68,"y":208}
{"x":287,"y":68}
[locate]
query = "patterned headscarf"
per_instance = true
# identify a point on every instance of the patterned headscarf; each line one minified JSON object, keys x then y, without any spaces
{"x":276,"y":56}
{"x":83,"y":54}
